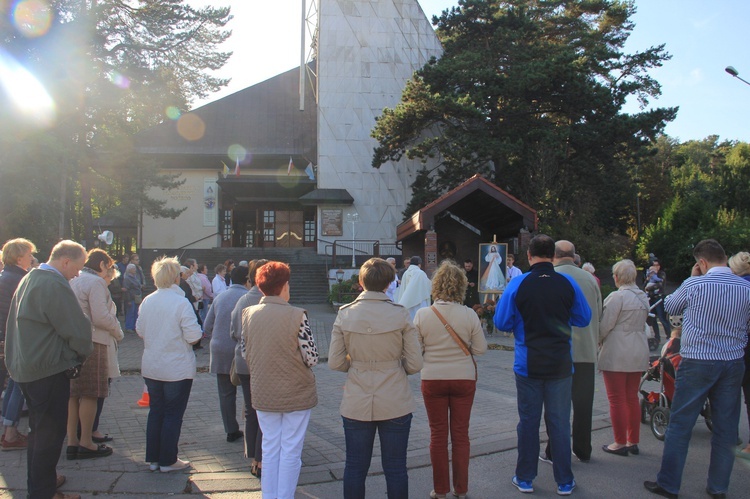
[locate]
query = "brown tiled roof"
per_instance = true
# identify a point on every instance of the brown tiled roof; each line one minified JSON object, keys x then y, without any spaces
{"x":479,"y":202}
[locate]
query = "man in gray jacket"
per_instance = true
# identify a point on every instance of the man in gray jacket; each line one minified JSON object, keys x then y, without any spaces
{"x":47,"y":336}
{"x":585,"y":340}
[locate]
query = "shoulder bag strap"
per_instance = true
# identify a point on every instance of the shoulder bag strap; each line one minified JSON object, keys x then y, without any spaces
{"x":457,"y":339}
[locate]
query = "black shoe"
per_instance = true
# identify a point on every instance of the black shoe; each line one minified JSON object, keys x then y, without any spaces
{"x":622,"y":451}
{"x":633,"y":449}
{"x":101,"y":440}
{"x":235,"y":435}
{"x":716,"y":495}
{"x":655,"y":488}
{"x":71,"y":452}
{"x":101,"y":451}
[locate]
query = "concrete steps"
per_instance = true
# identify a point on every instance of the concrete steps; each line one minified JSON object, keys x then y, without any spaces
{"x":309,"y":279}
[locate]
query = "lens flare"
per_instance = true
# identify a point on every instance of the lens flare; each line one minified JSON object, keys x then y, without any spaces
{"x":191,"y":127}
{"x":32,"y":18}
{"x":26,"y":93}
{"x":119,"y":80}
{"x":285,"y":180}
{"x":172,"y":113}
{"x":237,"y":152}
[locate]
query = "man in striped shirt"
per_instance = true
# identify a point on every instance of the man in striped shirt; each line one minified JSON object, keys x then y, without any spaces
{"x":715,"y":308}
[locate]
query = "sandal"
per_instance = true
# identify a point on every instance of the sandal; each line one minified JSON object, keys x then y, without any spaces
{"x":255,"y":468}
{"x":101,"y":440}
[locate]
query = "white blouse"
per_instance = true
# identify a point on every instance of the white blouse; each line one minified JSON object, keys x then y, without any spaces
{"x":168,"y":326}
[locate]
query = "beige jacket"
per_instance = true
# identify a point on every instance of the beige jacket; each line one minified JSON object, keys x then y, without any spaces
{"x":624,"y":346}
{"x":96,"y":302}
{"x":374,"y":341}
{"x":443,"y":358}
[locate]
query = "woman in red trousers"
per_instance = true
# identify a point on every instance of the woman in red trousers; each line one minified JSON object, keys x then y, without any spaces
{"x":449,"y":376}
{"x":624,"y":356}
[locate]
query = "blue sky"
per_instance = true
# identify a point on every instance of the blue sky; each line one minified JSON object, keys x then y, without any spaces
{"x":703,"y":37}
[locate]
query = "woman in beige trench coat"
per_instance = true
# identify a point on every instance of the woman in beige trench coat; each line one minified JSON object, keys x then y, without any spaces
{"x":374,"y":341}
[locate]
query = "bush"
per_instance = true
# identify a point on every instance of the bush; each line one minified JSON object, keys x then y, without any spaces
{"x":345,"y":291}
{"x":686,"y":222}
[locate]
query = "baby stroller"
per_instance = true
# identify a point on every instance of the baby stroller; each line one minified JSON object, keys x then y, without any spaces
{"x":652,"y":325}
{"x":656,"y":402}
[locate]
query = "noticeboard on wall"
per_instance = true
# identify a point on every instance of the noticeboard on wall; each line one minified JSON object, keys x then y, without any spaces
{"x":210,"y":211}
{"x":332,"y":222}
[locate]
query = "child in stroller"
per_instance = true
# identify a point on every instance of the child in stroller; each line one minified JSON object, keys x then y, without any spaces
{"x":655,"y":404}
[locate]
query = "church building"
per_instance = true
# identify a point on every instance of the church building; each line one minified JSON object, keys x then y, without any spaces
{"x":262,"y":172}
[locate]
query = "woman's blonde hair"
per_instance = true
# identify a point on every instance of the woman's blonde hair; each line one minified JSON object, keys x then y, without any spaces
{"x":740,"y":263}
{"x":15,"y":249}
{"x":625,"y":272}
{"x":165,"y":271}
{"x":449,"y":282}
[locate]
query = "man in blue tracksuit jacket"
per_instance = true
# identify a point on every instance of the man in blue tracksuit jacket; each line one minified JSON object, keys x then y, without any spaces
{"x":540,"y":307}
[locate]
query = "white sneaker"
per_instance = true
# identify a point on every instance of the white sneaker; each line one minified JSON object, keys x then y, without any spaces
{"x":178,"y":465}
{"x":153,"y":466}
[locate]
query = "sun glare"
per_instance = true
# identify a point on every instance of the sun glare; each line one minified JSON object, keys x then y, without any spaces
{"x":25,"y":92}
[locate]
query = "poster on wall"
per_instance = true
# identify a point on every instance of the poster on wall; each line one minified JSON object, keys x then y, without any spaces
{"x":210,"y":197}
{"x":331,"y":222}
{"x":492,"y":258}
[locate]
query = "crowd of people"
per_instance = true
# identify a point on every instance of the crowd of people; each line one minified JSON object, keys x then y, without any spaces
{"x":60,"y":329}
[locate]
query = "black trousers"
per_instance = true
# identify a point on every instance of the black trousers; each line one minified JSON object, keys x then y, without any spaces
{"x":47,"y":399}
{"x":583,"y":408}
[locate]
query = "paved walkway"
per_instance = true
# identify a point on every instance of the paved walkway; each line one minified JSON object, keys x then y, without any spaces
{"x":219,"y":469}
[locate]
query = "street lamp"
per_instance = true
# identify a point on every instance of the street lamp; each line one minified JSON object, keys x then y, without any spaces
{"x":736,"y":74}
{"x":353,"y":218}
{"x":340,"y":279}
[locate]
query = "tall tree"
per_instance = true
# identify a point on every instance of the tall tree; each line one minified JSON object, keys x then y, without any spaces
{"x":708,"y":181}
{"x":111,"y":68}
{"x":532,"y":92}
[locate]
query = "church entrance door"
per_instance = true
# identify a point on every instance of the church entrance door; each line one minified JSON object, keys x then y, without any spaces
{"x":289,"y":229}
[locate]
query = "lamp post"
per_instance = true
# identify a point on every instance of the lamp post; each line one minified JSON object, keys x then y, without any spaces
{"x":339,"y":278}
{"x":353,"y":218}
{"x":736,"y":74}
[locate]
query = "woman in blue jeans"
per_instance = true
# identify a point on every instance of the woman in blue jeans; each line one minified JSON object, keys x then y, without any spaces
{"x":16,"y":257}
{"x":169,"y":327}
{"x":374,"y":341}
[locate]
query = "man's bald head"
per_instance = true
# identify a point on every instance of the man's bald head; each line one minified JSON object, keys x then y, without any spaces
{"x":564,"y":249}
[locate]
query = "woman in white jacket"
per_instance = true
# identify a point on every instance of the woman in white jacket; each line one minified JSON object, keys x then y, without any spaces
{"x":169,"y":327}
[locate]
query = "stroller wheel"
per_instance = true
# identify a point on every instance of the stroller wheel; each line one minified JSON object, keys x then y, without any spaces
{"x":659,"y":422}
{"x":645,"y":411}
{"x":652,"y":344}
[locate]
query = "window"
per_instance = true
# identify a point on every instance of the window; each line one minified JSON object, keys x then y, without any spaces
{"x":249,"y":237}
{"x":309,"y":231}
{"x":226,"y":225}
{"x":269,"y":227}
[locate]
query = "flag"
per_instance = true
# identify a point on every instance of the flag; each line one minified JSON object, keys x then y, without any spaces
{"x":310,"y":172}
{"x":226,"y":169}
{"x":237,"y":168}
{"x":291,"y":165}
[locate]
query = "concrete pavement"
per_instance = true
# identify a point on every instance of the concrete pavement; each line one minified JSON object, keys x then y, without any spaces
{"x":220,"y":470}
